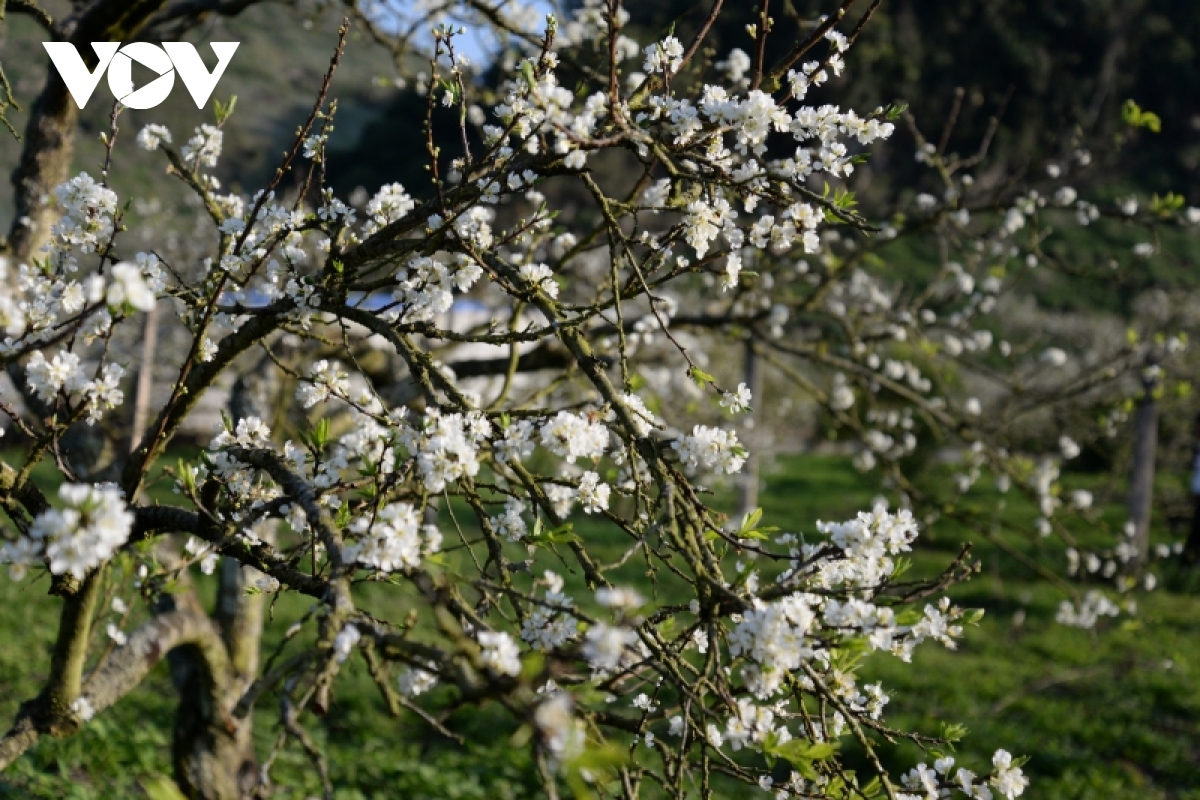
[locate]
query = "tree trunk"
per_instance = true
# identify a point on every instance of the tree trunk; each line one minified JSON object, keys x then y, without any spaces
{"x":45,"y":161}
{"x":50,"y":133}
{"x":211,"y":753}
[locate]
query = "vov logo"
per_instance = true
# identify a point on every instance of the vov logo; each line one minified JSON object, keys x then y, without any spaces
{"x":164,"y":61}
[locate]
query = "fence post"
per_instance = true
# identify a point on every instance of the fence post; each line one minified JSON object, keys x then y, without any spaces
{"x":145,"y":379}
{"x":748,"y":499}
{"x":1141,"y":482}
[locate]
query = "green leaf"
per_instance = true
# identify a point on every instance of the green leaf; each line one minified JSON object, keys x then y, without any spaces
{"x":761,"y":534}
{"x":185,"y":476}
{"x":953,"y":732}
{"x":836,"y":787}
{"x":801,"y":750}
{"x":1135,"y":116}
{"x":521,"y":736}
{"x":159,"y":787}
{"x":319,"y":436}
{"x":561,"y":535}
{"x":750,"y":521}
{"x":750,"y":529}
{"x":532,"y":665}
{"x":527,"y":74}
{"x":1166,"y":206}
{"x":222,"y":111}
{"x":807,"y":770}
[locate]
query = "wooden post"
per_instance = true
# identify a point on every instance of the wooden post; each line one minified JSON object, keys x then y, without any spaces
{"x":145,"y":381}
{"x":1141,"y":482}
{"x":748,"y":500}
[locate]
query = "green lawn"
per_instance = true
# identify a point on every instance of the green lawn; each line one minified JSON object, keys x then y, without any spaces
{"x":1113,"y":714}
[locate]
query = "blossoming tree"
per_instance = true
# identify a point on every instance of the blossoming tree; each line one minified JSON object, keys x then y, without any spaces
{"x":713,"y":220}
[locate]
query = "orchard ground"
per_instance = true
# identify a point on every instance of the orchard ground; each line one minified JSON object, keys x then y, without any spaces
{"x":1113,"y":713}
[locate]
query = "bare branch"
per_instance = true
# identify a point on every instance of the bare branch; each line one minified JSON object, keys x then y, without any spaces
{"x":123,"y":671}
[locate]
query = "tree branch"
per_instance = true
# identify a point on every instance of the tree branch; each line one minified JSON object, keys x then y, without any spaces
{"x":123,"y":670}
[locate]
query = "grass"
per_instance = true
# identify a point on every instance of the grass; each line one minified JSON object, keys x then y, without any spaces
{"x":1113,"y":714}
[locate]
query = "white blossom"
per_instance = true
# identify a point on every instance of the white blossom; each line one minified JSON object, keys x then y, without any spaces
{"x":152,"y":136}
{"x":499,"y":653}
{"x":665,"y":56}
{"x":86,"y":531}
{"x":738,"y":400}
{"x":129,"y":286}
{"x":393,"y":539}
{"x":593,"y":495}
{"x":414,"y":681}
{"x":605,"y":646}
{"x":709,"y":449}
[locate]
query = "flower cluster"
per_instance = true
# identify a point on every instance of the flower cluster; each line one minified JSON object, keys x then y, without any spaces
{"x":86,"y":222}
{"x":709,"y":449}
{"x":92,"y":523}
{"x":65,"y":373}
{"x":393,"y":539}
{"x":446,"y":446}
{"x":550,"y":623}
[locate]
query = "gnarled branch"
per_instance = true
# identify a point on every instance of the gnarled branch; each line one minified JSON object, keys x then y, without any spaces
{"x":124,"y":669}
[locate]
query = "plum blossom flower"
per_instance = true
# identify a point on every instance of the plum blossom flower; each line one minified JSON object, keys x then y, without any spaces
{"x":414,"y":681}
{"x":345,"y":642}
{"x":47,"y":378}
{"x":665,"y":56}
{"x":499,"y":653}
{"x":393,"y":539}
{"x":152,"y":136}
{"x":710,"y":449}
{"x":593,"y":494}
{"x":129,"y":286}
{"x":86,"y":531}
{"x":326,"y":380}
{"x":738,"y":400}
{"x":1009,"y":780}
{"x":604,"y":645}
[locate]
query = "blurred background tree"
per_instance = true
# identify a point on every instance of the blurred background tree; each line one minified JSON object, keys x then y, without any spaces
{"x":1043,"y":69}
